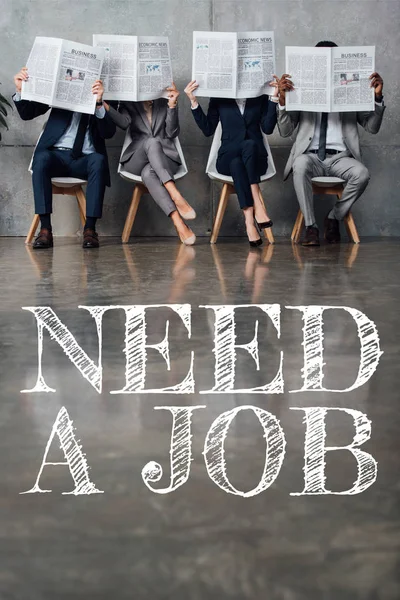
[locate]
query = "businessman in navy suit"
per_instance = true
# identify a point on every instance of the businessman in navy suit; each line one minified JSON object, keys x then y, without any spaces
{"x":242,"y":154}
{"x":71,"y":145}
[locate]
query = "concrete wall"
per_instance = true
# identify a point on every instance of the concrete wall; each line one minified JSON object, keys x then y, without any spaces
{"x":295,"y":22}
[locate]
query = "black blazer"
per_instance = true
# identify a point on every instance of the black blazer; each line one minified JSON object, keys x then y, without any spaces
{"x":58,"y":122}
{"x":259,"y":112}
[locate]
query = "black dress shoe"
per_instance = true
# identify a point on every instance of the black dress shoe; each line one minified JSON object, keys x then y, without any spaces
{"x":90,"y":239}
{"x":311,"y":237}
{"x":44,"y":240}
{"x":256,"y":243}
{"x":332,"y":231}
{"x":265,"y":224}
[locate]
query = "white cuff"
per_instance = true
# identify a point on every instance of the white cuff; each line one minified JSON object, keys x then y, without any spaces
{"x":281,"y":107}
{"x":17,"y":96}
{"x":194,"y":107}
{"x":100,"y":112}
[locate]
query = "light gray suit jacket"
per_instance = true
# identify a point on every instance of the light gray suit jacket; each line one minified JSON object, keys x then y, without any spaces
{"x":306,"y":121}
{"x":165,"y":126}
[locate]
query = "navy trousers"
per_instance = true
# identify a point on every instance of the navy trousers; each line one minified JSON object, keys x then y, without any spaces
{"x":59,"y":163}
{"x":245,"y":164}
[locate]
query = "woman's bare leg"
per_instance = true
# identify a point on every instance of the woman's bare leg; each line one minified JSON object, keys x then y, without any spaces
{"x":181,"y":204}
{"x":259,"y":208}
{"x":251,"y":229}
{"x":184,"y":232}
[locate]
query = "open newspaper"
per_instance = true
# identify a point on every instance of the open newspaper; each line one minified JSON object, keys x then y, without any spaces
{"x":61,"y":74}
{"x":330,"y":79}
{"x":233,"y":65}
{"x":135,"y":67}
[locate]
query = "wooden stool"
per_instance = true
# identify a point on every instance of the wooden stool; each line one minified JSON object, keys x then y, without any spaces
{"x":66,"y":186}
{"x":227,"y":190}
{"x":331,"y":186}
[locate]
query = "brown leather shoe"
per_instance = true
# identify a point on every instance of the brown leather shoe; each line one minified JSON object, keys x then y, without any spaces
{"x":311,"y":237}
{"x":332,"y":231}
{"x":43,"y":240}
{"x":90,"y":239}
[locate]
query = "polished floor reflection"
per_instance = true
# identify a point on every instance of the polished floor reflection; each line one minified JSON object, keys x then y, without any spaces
{"x":198,"y":542}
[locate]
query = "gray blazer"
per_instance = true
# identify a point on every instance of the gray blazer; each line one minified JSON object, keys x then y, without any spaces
{"x":165,"y":126}
{"x":289,"y":120}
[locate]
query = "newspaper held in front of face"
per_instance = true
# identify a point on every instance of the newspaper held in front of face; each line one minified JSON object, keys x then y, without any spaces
{"x":255,"y":63}
{"x":233,"y":65}
{"x":62,"y":73}
{"x":330,"y":79}
{"x":135,"y":67}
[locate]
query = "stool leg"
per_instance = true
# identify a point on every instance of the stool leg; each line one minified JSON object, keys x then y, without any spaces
{"x":297,"y":228}
{"x":81,"y":199}
{"x":32,"y":229}
{"x":351,"y":228}
{"x":130,"y":218}
{"x":223,"y":201}
{"x":267,"y":232}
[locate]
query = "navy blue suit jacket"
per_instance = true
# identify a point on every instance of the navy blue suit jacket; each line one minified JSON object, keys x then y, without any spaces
{"x":259,"y":112}
{"x":58,"y":122}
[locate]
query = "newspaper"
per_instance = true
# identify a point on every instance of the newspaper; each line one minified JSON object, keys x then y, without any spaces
{"x":61,"y":74}
{"x":233,"y":65}
{"x":330,"y":79}
{"x":135,"y":67}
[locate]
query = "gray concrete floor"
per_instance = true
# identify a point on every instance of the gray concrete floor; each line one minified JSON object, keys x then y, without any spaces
{"x":198,"y":542}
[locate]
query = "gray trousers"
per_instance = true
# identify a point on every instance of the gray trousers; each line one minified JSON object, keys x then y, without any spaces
{"x":306,"y":166}
{"x":155,"y":168}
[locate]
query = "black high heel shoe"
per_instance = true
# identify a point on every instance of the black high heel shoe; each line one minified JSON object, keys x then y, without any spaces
{"x":265,"y":225}
{"x":256,"y":243}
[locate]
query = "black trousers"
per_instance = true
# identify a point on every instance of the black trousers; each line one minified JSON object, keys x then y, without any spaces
{"x":59,"y":163}
{"x":245,"y":164}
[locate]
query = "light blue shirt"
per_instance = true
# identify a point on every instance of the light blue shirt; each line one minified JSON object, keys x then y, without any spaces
{"x":68,"y":138}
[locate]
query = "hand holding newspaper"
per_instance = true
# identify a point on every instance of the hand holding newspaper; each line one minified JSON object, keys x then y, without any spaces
{"x":330,"y":79}
{"x":135,"y":67}
{"x":61,"y":74}
{"x":233,"y":65}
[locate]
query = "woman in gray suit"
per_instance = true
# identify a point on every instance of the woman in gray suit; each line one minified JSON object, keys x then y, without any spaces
{"x":152,"y":154}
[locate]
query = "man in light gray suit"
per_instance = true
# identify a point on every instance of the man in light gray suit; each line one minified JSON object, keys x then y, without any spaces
{"x":327,"y":145}
{"x":152,"y":154}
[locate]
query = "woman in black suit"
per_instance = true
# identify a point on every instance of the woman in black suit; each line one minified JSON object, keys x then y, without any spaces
{"x":242,"y":154}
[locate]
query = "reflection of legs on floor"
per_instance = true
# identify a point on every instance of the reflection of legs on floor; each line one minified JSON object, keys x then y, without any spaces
{"x":256,"y":271}
{"x":182,"y":273}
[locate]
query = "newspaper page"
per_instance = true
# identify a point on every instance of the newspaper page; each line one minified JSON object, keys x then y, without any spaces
{"x":119,"y":72}
{"x":214,"y":63}
{"x":154,"y":67}
{"x":351,"y":86}
{"x":255,"y":63}
{"x":310,"y":71}
{"x":42,"y":69}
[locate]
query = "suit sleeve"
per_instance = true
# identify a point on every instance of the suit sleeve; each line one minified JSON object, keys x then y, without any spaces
{"x":371,"y":121}
{"x":287,"y":121}
{"x":106,"y":126}
{"x":121,"y":118}
{"x":268,"y":117}
{"x":172,"y":127}
{"x":28,"y":110}
{"x":207,"y":123}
